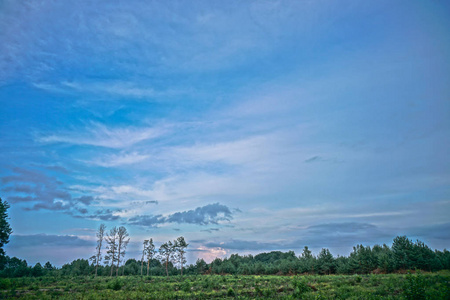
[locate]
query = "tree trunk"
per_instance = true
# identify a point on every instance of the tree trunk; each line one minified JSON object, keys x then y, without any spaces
{"x":148,"y":266}
{"x":118,"y":259}
{"x":167,"y":262}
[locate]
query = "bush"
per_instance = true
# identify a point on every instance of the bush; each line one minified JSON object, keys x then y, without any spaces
{"x":116,"y":285}
{"x":300,"y":287}
{"x":231,"y":293}
{"x":415,"y":287}
{"x":5,"y":283}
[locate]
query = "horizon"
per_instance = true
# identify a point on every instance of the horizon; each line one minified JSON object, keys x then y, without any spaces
{"x":243,"y":126}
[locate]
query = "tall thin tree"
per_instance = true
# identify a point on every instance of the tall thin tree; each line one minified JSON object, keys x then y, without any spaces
{"x":111,"y":253}
{"x":150,"y":252}
{"x":166,"y":252}
{"x":122,"y":237}
{"x":180,"y":245}
{"x":143,"y":255}
{"x":97,"y":258}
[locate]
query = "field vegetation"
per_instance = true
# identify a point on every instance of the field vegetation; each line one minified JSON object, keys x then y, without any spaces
{"x":373,"y":286}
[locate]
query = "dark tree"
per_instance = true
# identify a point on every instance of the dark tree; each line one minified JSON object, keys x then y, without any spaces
{"x":5,"y":229}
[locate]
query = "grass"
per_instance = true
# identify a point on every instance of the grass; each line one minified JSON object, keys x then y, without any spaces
{"x":389,"y":286}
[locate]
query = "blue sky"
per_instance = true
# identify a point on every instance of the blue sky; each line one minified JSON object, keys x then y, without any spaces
{"x":245,"y":126}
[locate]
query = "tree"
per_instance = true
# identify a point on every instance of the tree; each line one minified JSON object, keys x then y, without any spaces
{"x":150,"y":252}
{"x":166,"y":251}
{"x":111,"y":253}
{"x":325,"y":262}
{"x":179,"y":246}
{"x":122,"y":236}
{"x":98,"y":256}
{"x":5,"y":229}
{"x":143,"y":255}
{"x":402,"y":250}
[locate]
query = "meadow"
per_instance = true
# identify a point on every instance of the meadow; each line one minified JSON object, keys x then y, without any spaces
{"x":373,"y":286}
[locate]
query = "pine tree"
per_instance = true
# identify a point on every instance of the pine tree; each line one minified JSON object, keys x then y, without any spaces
{"x":5,"y":230}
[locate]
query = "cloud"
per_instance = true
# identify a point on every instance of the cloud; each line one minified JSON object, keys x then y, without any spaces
{"x":41,"y":191}
{"x":208,"y":214}
{"x":116,"y":160}
{"x":104,"y":215}
{"x":102,"y":136}
{"x":41,"y":240}
{"x":86,"y":200}
{"x":314,"y":159}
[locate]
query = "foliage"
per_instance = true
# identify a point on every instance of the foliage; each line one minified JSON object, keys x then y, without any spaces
{"x":5,"y":230}
{"x":381,"y":286}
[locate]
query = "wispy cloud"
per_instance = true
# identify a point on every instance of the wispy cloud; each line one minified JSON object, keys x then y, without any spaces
{"x":122,"y":159}
{"x":103,"y":136}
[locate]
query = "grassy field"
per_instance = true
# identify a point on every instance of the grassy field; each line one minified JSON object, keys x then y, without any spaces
{"x":390,"y":286}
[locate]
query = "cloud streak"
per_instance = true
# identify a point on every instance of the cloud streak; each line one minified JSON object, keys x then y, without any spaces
{"x":102,"y":136}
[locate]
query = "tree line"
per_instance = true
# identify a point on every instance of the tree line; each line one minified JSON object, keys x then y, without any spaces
{"x":404,"y":254}
{"x":170,"y":259}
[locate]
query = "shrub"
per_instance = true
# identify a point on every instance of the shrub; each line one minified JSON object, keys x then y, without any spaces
{"x":300,"y":287}
{"x":231,"y":293}
{"x":415,"y":287}
{"x":115,"y":285}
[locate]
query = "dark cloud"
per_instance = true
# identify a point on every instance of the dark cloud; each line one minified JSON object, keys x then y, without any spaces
{"x":321,"y":159}
{"x":438,"y":231}
{"x":83,"y":210}
{"x":103,"y":214}
{"x":17,"y":199}
{"x":57,"y":169}
{"x":45,"y":192}
{"x":151,"y":202}
{"x":146,"y":220}
{"x":86,"y":200}
{"x":208,"y":214}
{"x":37,"y":240}
{"x":20,"y":188}
{"x":50,"y":206}
{"x":313,"y":159}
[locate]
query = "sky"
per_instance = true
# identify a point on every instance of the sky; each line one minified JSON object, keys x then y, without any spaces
{"x":244,"y":126}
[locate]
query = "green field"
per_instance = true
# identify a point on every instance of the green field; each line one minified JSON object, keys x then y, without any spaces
{"x":389,"y":286}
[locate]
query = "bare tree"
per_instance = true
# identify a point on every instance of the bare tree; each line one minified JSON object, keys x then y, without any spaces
{"x":122,"y":237}
{"x":111,"y":254}
{"x":179,"y":246}
{"x":97,"y":258}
